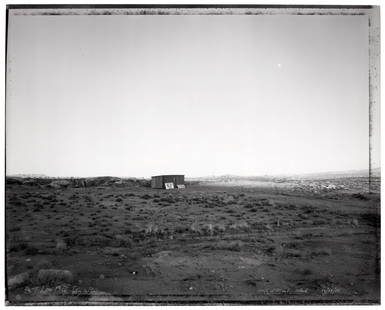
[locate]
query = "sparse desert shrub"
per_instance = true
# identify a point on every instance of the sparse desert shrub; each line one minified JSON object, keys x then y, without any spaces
{"x":240,"y":226}
{"x":230,"y":211}
{"x":253,"y":282}
{"x":265,"y":202}
{"x":61,"y":245}
{"x":151,"y":229}
{"x":194,"y":228}
{"x":291,"y":245}
{"x":235,"y":245}
{"x":123,"y":241}
{"x":360,"y":196}
{"x":43,"y":264}
{"x":181,"y":229}
{"x":128,"y":231}
{"x":322,"y":252}
{"x":291,"y":253}
{"x":229,"y":200}
{"x":14,"y":229}
{"x":290,"y":207}
{"x":93,"y":240}
{"x":54,"y":276}
{"x":31,"y":250}
{"x":308,"y":209}
{"x":167,"y":199}
{"x":19,"y":246}
{"x":208,"y":229}
{"x":269,"y":250}
{"x":319,"y":222}
{"x":220,"y":228}
{"x":372,"y":219}
{"x":69,"y":241}
{"x":306,"y":272}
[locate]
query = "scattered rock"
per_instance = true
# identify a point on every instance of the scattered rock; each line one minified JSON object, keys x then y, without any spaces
{"x":101,"y":276}
{"x":18,"y":280}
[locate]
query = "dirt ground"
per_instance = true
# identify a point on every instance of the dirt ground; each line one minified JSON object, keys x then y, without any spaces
{"x":203,"y":244}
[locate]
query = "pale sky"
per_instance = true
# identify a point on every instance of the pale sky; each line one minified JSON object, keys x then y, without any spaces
{"x":194,"y":95}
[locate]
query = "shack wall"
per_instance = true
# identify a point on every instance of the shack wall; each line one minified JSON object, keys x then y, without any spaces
{"x":176,"y":179}
{"x":157,"y":182}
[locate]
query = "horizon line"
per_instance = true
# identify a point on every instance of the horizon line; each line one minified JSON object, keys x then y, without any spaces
{"x":37,"y":175}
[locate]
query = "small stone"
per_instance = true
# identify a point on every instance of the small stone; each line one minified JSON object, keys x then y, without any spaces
{"x":101,"y":276}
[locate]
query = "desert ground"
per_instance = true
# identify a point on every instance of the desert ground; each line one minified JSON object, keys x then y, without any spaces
{"x":110,"y":240}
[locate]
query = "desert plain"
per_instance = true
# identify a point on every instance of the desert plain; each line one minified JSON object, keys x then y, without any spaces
{"x":110,"y":240}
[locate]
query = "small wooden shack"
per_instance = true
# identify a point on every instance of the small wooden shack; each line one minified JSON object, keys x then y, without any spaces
{"x":163,"y":181}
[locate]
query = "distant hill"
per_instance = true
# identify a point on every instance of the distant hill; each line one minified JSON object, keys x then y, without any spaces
{"x":29,"y":176}
{"x":376,"y":172}
{"x":322,"y":175}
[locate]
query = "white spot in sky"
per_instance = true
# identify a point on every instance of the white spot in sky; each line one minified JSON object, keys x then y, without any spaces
{"x":279,"y":66}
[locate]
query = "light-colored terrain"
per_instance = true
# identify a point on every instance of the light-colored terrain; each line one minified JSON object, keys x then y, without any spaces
{"x":212,"y":242}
